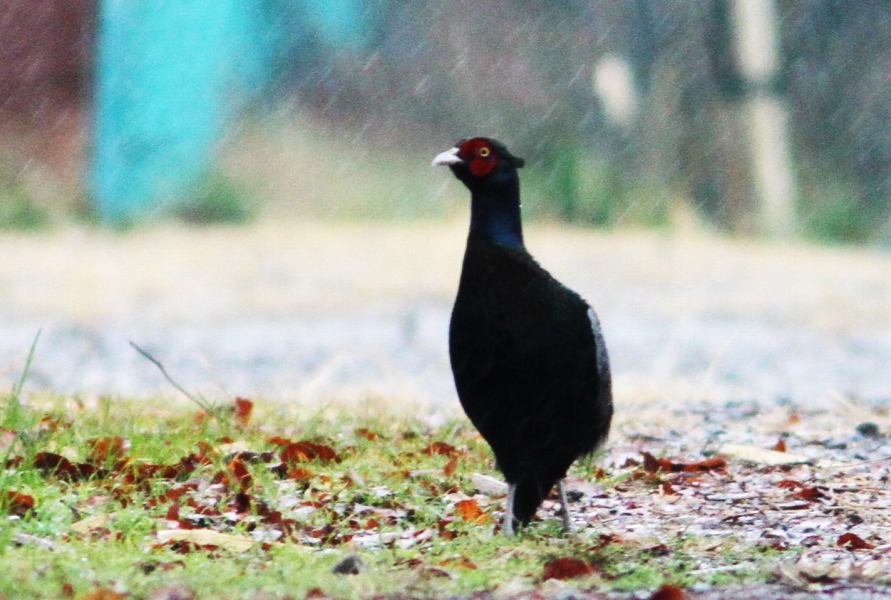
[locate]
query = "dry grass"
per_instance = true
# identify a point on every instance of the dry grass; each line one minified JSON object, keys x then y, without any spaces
{"x":277,"y":267}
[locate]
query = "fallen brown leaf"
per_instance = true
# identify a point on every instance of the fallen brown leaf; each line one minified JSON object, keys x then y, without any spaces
{"x":56,"y":464}
{"x":241,"y":473}
{"x":809,"y":493}
{"x":103,"y":449}
{"x":307,"y":451}
{"x":790,"y":484}
{"x":299,"y":474}
{"x":462,"y":562}
{"x":367,"y":434}
{"x":852,"y":541}
{"x":49,"y":424}
{"x":243,"y":408}
{"x":19,"y":504}
{"x":471,"y":511}
{"x":441,"y":449}
{"x":652,"y":464}
{"x":566,"y":568}
{"x":669,"y":592}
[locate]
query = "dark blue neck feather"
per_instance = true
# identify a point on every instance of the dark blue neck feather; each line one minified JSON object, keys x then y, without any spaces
{"x":495,"y":216}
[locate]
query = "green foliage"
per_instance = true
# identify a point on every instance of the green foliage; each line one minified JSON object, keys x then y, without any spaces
{"x":218,"y":200}
{"x":18,"y":210}
{"x":833,"y":211}
{"x":576,"y":187}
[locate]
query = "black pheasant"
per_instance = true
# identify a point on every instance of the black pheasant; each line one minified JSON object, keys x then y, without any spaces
{"x":528,"y":357}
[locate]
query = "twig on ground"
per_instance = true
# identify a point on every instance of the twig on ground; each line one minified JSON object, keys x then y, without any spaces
{"x":197,"y":399}
{"x":861,"y":463}
{"x":26,"y":539}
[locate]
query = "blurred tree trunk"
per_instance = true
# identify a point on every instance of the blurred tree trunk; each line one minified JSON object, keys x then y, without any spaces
{"x":766,"y":116}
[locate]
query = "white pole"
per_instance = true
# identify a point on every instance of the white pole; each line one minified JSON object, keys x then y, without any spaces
{"x":755,"y":24}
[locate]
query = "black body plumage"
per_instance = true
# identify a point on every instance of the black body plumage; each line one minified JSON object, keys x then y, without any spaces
{"x":529,"y":361}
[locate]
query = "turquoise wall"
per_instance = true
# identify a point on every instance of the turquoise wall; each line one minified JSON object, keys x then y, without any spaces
{"x":170,"y":76}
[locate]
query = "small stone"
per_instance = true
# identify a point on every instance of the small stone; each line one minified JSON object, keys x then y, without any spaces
{"x":173,"y":592}
{"x":351,"y":565}
{"x":868,"y":429}
{"x":574,"y":496}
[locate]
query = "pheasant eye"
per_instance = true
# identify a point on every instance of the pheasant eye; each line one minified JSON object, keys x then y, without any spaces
{"x":484,"y":152}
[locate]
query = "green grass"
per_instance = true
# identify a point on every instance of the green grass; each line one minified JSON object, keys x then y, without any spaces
{"x":90,"y":522}
{"x":217,"y":200}
{"x":125,"y":554}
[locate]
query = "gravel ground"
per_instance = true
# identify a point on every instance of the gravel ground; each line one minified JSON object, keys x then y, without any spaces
{"x":334,"y":312}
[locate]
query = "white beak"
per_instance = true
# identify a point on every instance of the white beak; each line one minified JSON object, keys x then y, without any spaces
{"x":449,"y":157}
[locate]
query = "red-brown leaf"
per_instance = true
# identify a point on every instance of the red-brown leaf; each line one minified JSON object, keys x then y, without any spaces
{"x":605,"y":540}
{"x":367,"y":434}
{"x":242,"y":502}
{"x":710,"y":464}
{"x":19,"y":504}
{"x":103,"y":449}
{"x":51,"y":462}
{"x":780,"y":446}
{"x":852,"y":541}
{"x":441,"y":449}
{"x":307,"y":451}
{"x":243,"y":408}
{"x":471,"y":511}
{"x":790,"y":484}
{"x":56,"y":464}
{"x":49,"y":424}
{"x":811,"y":494}
{"x":241,"y":473}
{"x":566,"y":568}
{"x":669,"y":592}
{"x":653,"y":464}
{"x":450,"y":467}
{"x":462,"y":562}
{"x":299,"y":474}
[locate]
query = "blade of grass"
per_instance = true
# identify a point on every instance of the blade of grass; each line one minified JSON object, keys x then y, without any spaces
{"x":14,"y":406}
{"x":12,"y":420}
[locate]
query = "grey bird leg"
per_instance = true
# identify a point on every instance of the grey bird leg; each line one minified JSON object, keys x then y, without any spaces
{"x":567,"y":524}
{"x":508,"y":523}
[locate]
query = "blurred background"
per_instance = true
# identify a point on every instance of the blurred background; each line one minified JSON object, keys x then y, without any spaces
{"x":306,"y":128}
{"x":757,"y":115}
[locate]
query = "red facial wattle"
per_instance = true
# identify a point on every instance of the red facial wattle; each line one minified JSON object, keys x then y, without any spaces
{"x":479,"y":156}
{"x":480,"y":167}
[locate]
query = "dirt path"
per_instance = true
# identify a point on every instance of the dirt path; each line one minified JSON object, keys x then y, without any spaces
{"x":309,"y":312}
